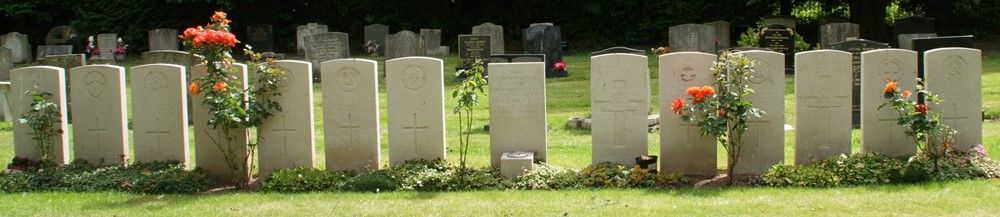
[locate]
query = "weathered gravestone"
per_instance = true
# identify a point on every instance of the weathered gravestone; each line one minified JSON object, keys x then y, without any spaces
{"x":823,"y":105}
{"x":544,"y":38}
{"x":306,"y":30}
{"x":20,"y":50}
{"x":169,"y":57}
{"x":855,"y":47}
{"x":5,"y":64}
{"x":163,"y":39}
{"x":763,"y":144}
{"x":261,"y":37}
{"x":403,"y":44}
{"x":432,"y":41}
{"x":779,"y":39}
{"x":472,"y":47}
{"x":614,"y":50}
{"x":415,"y":92}
{"x":287,"y":139}
{"x":921,"y":45}
{"x":159,"y":113}
{"x":66,"y":62}
{"x":692,"y":37}
{"x":60,"y":35}
{"x":836,"y":33}
{"x":619,"y":88}
{"x":955,"y":75}
{"x":209,"y":142}
{"x":106,"y":43}
{"x":721,"y":34}
{"x":496,"y":36}
{"x":53,"y":50}
{"x":351,"y":115}
{"x":517,"y":110}
{"x":47,"y":79}
{"x":907,"y":28}
{"x":5,"y":102}
{"x":99,"y":112}
{"x":682,"y":148}
{"x":879,"y":131}
{"x":377,"y":33}
{"x":321,"y":47}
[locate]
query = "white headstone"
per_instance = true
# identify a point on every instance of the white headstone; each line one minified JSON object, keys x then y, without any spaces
{"x":880,"y":132}
{"x":619,"y":88}
{"x":48,"y":79}
{"x":955,"y":75}
{"x":288,"y":138}
{"x":306,"y":30}
{"x":823,"y":86}
{"x":18,"y":45}
{"x":159,"y":113}
{"x":517,"y":109}
{"x":162,"y":39}
{"x":209,"y":142}
{"x":99,"y":114}
{"x":415,"y":92}
{"x":107,"y":42}
{"x":764,"y":143}
{"x":682,"y":148}
{"x":351,"y":115}
{"x":5,"y":102}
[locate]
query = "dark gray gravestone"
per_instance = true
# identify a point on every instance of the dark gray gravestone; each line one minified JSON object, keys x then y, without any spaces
{"x":261,"y":37}
{"x":778,"y":38}
{"x":517,"y":58}
{"x":922,"y":45}
{"x":49,"y":50}
{"x":20,"y":50}
{"x":692,"y":37}
{"x":721,"y":33}
{"x":325,"y":46}
{"x":403,"y":44}
{"x":472,"y":47}
{"x":544,"y":38}
{"x":60,"y":35}
{"x":618,"y":50}
{"x":837,"y":32}
{"x":904,"y":28}
{"x":856,"y":47}
{"x":377,"y":33}
{"x":432,"y":41}
{"x":305,"y":30}
{"x":6,"y":64}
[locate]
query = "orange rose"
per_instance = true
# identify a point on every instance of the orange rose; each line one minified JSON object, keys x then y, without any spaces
{"x":193,"y":89}
{"x":218,"y":16}
{"x":891,"y":86}
{"x":706,"y":91}
{"x":693,"y":91}
{"x":189,"y":33}
{"x":677,"y":105}
{"x":906,"y":93}
{"x":219,"y":86}
{"x":921,"y":108}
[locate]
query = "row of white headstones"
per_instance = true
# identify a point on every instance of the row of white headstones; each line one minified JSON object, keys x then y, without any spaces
{"x":620,"y":98}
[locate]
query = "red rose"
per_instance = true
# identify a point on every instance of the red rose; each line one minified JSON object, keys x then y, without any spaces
{"x":677,"y":105}
{"x":219,"y":86}
{"x":921,"y":108}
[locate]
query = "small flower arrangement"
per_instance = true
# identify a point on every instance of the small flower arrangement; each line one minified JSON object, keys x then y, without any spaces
{"x":660,"y":50}
{"x":121,"y":47}
{"x":560,"y":66}
{"x":372,"y":47}
{"x":91,"y":49}
{"x":921,"y":123}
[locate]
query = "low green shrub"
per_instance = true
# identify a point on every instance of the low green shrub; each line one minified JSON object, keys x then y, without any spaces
{"x":546,"y":176}
{"x":376,"y":182}
{"x":439,"y":175}
{"x":615,"y":175}
{"x":154,"y":177}
{"x":304,"y":179}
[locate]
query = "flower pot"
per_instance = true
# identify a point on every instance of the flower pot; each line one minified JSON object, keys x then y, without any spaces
{"x":649,"y":163}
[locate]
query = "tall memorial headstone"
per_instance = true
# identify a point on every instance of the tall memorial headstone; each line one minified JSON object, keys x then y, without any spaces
{"x":20,"y":49}
{"x":432,"y":41}
{"x":351,"y":115}
{"x":955,"y":75}
{"x":377,"y":33}
{"x":517,"y":110}
{"x":306,"y":30}
{"x":163,"y":39}
{"x":321,"y":47}
{"x":60,"y":35}
{"x":287,"y":138}
{"x":169,"y":57}
{"x":159,"y":111}
{"x":106,"y":43}
{"x":99,"y":112}
{"x":682,"y":148}
{"x":544,"y":38}
{"x":779,"y":38}
{"x":619,"y":88}
{"x":47,"y":79}
{"x":209,"y":142}
{"x":908,"y":28}
{"x":403,"y":44}
{"x":261,"y":37}
{"x":496,"y":36}
{"x":415,"y":103}
{"x":823,"y":105}
{"x":880,"y":132}
{"x":856,"y":47}
{"x":836,"y":33}
{"x":721,"y":34}
{"x":692,"y":37}
{"x":763,"y":144}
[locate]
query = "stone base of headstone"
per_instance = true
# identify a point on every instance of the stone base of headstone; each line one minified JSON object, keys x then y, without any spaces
{"x":586,"y":124}
{"x":574,"y":123}
{"x":514,"y":164}
{"x":557,"y":74}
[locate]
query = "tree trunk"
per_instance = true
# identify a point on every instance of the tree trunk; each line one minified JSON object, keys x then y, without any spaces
{"x":870,"y":15}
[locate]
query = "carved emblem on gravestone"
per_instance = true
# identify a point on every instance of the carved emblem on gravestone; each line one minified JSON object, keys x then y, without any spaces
{"x":954,"y":67}
{"x":414,"y":77}
{"x":518,"y":154}
{"x":155,"y":81}
{"x":819,"y":97}
{"x":95,"y":83}
{"x":759,"y":73}
{"x":891,"y":69}
{"x":348,"y":78}
{"x":35,"y":79}
{"x":285,"y":82}
{"x":686,"y":73}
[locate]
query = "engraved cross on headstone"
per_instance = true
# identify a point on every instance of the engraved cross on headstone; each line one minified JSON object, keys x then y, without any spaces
{"x":350,"y":127}
{"x":619,"y":105}
{"x":158,"y":132}
{"x":415,"y":128}
{"x":284,"y":131}
{"x":97,"y":130}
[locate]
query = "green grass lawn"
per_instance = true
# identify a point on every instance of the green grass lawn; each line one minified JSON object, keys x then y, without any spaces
{"x":566,"y":97}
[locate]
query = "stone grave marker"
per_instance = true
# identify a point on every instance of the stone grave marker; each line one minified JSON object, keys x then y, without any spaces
{"x":403,"y":44}
{"x":159,"y":113}
{"x":378,"y":33}
{"x":517,"y":110}
{"x":432,"y":41}
{"x":955,"y":75}
{"x":496,"y":36}
{"x":20,"y":49}
{"x":288,"y":137}
{"x":619,"y":102}
{"x":305,"y":30}
{"x":208,"y":142}
{"x":163,"y":39}
{"x":879,"y":131}
{"x":908,"y":28}
{"x":48,"y":79}
{"x":836,"y":33}
{"x":415,"y":103}
{"x":544,"y":38}
{"x":721,"y":33}
{"x":855,"y":47}
{"x":261,"y":37}
{"x":351,"y":114}
{"x":321,"y":47}
{"x":52,"y":50}
{"x":692,"y":37}
{"x":906,"y":40}
{"x":6,"y":64}
{"x":106,"y":43}
{"x":614,"y":50}
{"x":169,"y":57}
{"x":823,"y":105}
{"x":66,"y":62}
{"x":99,"y":114}
{"x":472,"y":47}
{"x":5,"y":102}
{"x":921,"y":45}
{"x":60,"y":35}
{"x":763,"y":143}
{"x":779,"y":39}
{"x":682,"y":148}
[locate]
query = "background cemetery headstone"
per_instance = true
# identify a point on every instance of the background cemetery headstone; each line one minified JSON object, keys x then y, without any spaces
{"x":305,"y":30}
{"x":763,"y":142}
{"x":856,"y":47}
{"x":880,"y":132}
{"x":106,"y":43}
{"x":159,"y":113}
{"x":321,"y":47}
{"x":415,"y":103}
{"x":351,"y":115}
{"x":209,"y":142}
{"x":908,"y":28}
{"x":955,"y":75}
{"x":377,"y":33}
{"x":61,"y":35}
{"x":6,"y":102}
{"x":261,"y":37}
{"x":169,"y":57}
{"x":692,"y":37}
{"x":287,"y":138}
{"x":822,"y":105}
{"x":722,"y":34}
{"x":496,"y":36}
{"x":517,"y":110}
{"x":6,"y":64}
{"x":614,"y":50}
{"x":20,"y":49}
{"x":66,"y":62}
{"x":837,"y":32}
{"x":472,"y":47}
{"x":544,"y":38}
{"x":682,"y":148}
{"x":403,"y":44}
{"x":779,"y":39}
{"x":619,"y":104}
{"x":51,"y":50}
{"x":432,"y":42}
{"x":163,"y":39}
{"x":100,"y":114}
{"x":47,"y":79}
